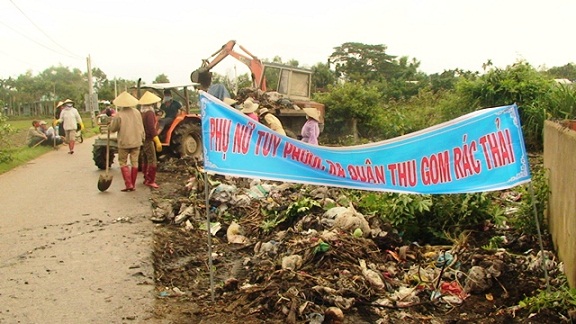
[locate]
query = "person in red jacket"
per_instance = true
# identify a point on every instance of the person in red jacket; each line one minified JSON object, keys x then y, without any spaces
{"x":151,"y":141}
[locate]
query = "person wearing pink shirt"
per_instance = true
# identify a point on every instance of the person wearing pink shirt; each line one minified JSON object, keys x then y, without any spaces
{"x":311,"y":130}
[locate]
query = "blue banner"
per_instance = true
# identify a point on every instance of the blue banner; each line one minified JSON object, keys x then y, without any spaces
{"x":481,"y":151}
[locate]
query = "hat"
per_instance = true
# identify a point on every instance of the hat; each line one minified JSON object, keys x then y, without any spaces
{"x":42,"y":122}
{"x":125,"y":100}
{"x":263,"y":111}
{"x":148,"y":98}
{"x":59,"y":104}
{"x":230,"y":101}
{"x":67,"y":101}
{"x":249,"y":106}
{"x":312,"y":113}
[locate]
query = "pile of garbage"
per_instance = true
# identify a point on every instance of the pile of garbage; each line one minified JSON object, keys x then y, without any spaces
{"x":272,"y":100}
{"x":296,"y":253}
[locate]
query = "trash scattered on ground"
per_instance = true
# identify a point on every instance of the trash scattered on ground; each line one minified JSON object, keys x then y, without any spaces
{"x":290,"y":253}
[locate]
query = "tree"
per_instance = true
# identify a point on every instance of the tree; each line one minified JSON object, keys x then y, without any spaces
{"x":162,"y":78}
{"x":447,"y":80}
{"x":357,"y":62}
{"x":567,"y":71}
{"x":519,"y":83}
{"x":322,"y":77}
{"x":352,"y":106}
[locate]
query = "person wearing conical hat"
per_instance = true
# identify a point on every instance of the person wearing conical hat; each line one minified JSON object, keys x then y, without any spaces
{"x":57,"y":112}
{"x":248,"y":108}
{"x":70,"y":120}
{"x":311,"y":130}
{"x":151,"y":141}
{"x":128,"y":123}
{"x":271,"y":121}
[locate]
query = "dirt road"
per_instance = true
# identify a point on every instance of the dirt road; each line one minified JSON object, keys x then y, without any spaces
{"x":69,"y":253}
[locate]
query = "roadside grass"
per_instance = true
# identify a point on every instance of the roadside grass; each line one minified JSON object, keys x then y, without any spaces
{"x":19,"y":150}
{"x":23,"y":155}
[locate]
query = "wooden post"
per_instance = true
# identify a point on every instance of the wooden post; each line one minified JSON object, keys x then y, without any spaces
{"x":90,"y":90}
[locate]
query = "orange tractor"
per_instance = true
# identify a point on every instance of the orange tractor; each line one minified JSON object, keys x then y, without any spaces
{"x":183,"y":137}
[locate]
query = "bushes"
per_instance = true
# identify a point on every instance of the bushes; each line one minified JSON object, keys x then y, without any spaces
{"x":5,"y":130}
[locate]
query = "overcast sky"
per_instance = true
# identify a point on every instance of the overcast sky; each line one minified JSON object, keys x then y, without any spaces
{"x":135,"y":39}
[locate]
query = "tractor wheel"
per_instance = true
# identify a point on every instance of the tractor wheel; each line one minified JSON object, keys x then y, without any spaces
{"x":99,"y":157}
{"x":187,"y":141}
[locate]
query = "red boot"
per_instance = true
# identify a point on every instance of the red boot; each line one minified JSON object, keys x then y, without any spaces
{"x":127,"y":178}
{"x":145,"y":172}
{"x":151,"y":177}
{"x":134,"y":176}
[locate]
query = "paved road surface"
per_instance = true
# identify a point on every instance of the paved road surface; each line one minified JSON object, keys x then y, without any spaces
{"x":69,"y":253}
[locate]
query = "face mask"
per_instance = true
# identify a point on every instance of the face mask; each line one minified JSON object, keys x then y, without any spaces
{"x":167,"y":98}
{"x":68,"y":105}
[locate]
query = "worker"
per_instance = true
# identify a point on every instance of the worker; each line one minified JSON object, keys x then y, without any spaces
{"x":71,"y":121}
{"x":151,"y":141}
{"x":311,"y":130}
{"x":170,"y":108}
{"x":272,"y":121}
{"x":128,"y":123}
{"x":35,"y":136}
{"x":57,"y":112}
{"x":219,"y":91}
{"x":249,"y":108}
{"x":52,"y":137}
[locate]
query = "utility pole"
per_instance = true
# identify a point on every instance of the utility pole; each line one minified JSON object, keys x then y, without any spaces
{"x":90,"y":90}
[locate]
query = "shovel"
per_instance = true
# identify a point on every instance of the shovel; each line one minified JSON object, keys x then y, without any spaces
{"x":42,"y":141}
{"x":105,"y":179}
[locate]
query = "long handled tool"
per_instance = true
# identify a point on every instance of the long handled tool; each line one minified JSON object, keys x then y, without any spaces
{"x":42,"y":141}
{"x":105,"y":179}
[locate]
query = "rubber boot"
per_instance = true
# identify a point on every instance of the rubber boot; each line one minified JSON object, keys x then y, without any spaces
{"x":151,"y":177}
{"x":134,"y":176}
{"x":145,"y":172}
{"x":127,"y":178}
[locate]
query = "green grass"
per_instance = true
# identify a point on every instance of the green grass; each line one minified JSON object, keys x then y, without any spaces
{"x":23,"y":155}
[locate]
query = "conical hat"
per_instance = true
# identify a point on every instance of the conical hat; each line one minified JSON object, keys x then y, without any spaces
{"x":125,"y":100}
{"x":148,"y":98}
{"x":230,"y":101}
{"x":59,"y":104}
{"x":68,"y":101}
{"x":263,"y":111}
{"x":249,"y":106}
{"x":312,"y":113}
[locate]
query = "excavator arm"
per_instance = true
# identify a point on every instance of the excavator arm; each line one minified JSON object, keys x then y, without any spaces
{"x":204,"y":76}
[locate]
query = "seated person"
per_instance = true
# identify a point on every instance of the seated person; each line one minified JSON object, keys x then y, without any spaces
{"x":170,"y":108}
{"x":35,"y":136}
{"x":109,"y":111}
{"x":52,"y":137}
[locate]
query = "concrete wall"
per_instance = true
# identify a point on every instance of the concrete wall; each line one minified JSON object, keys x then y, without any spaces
{"x":560,"y":160}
